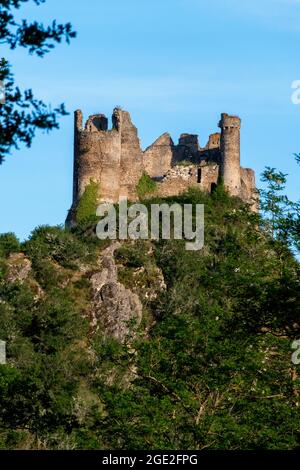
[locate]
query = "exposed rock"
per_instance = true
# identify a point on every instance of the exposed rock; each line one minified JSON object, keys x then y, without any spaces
{"x":19,"y":268}
{"x":116,"y":309}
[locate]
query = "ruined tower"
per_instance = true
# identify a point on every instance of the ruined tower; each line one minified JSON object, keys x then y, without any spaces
{"x":113,"y":159}
{"x":230,"y":166}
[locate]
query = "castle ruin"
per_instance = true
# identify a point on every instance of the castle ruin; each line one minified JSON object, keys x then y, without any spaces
{"x":113,"y":158}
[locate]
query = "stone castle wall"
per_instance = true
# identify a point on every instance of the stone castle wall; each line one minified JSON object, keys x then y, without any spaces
{"x":230,"y":167}
{"x":113,"y":158}
{"x":158,"y":158}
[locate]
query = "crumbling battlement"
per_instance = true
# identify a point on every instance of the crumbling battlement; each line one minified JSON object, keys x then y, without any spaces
{"x":113,"y":158}
{"x":103,"y":155}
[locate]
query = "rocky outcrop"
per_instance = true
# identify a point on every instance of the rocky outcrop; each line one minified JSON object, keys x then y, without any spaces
{"x":18,"y":268}
{"x":115,"y":309}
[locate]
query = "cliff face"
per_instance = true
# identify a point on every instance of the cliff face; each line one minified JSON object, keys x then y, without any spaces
{"x":115,"y":309}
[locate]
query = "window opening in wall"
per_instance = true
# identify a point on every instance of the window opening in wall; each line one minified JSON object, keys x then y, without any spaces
{"x":199,"y":175}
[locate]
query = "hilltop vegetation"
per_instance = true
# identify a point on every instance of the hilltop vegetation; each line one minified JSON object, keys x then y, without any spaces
{"x":209,"y":366}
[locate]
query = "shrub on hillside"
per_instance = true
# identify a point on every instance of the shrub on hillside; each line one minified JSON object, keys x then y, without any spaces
{"x":56,"y":243}
{"x":8,"y":244}
{"x":87,"y":205}
{"x":145,"y":186}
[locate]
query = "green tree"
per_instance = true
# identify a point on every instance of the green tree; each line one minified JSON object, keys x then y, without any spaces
{"x":21,"y":114}
{"x":209,"y":368}
{"x":295,"y":218}
{"x":281,"y":215}
{"x":215,"y":370}
{"x":274,"y":204}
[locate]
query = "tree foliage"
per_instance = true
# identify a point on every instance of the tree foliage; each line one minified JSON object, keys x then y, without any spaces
{"x":22,"y":114}
{"x":281,"y":215}
{"x":210,"y":367}
{"x":145,"y":186}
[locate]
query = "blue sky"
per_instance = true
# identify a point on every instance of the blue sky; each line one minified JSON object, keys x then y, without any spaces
{"x":175,"y":65}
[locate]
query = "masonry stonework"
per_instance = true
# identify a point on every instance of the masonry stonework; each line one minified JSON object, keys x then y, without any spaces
{"x":113,"y":158}
{"x":230,"y":167}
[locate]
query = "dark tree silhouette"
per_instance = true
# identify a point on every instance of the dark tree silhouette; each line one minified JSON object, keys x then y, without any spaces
{"x":20,"y":113}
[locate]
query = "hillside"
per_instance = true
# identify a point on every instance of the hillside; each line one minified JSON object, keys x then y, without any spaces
{"x":144,"y":345}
